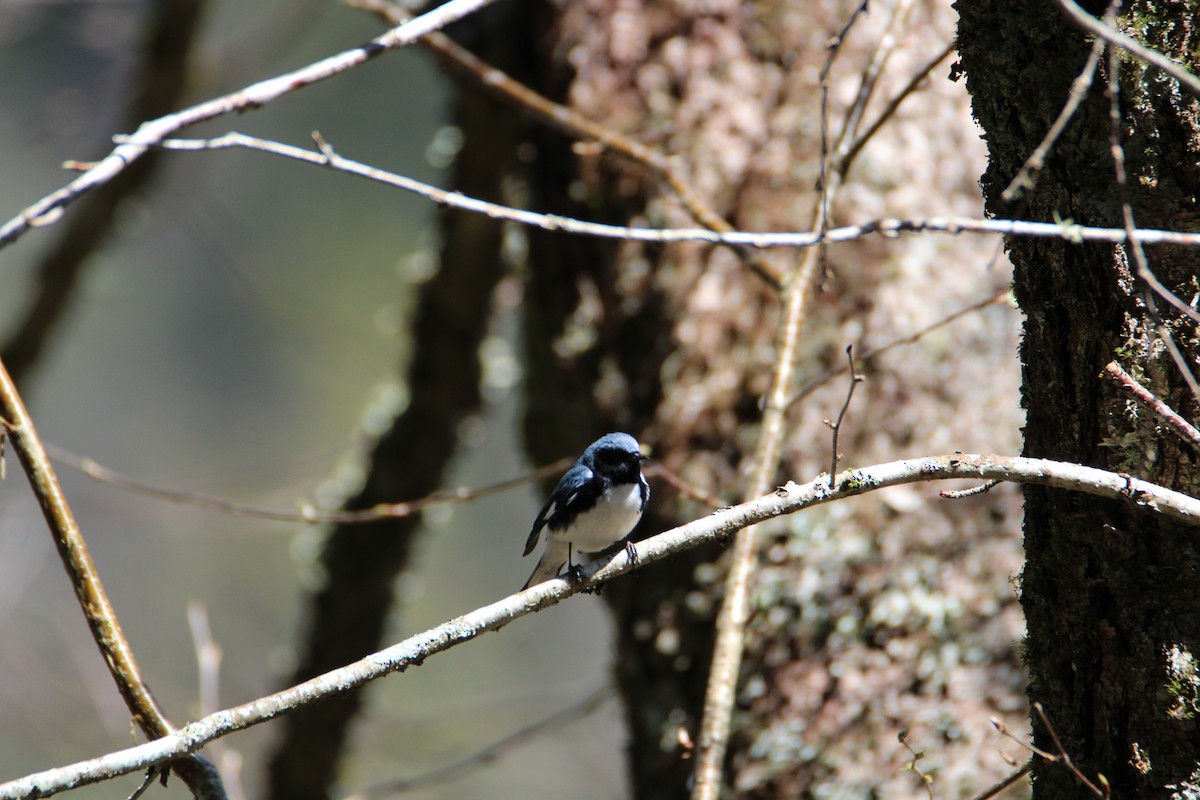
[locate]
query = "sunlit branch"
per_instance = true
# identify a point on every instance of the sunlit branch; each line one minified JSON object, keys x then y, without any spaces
{"x":718,"y":526}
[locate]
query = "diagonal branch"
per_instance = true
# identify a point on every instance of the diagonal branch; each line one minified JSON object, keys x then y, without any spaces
{"x":171,"y":28}
{"x":93,"y":599}
{"x":718,"y":526}
{"x":50,"y":208}
{"x":889,"y":227}
{"x":573,"y":123}
{"x":306,"y":514}
{"x":1083,"y":19}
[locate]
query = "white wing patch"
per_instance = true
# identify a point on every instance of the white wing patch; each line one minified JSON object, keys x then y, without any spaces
{"x":616,"y":513}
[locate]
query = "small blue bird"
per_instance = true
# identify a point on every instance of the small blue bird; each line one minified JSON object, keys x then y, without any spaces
{"x":597,"y":503}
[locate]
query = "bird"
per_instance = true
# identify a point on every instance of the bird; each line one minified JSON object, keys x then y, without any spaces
{"x":597,"y":503}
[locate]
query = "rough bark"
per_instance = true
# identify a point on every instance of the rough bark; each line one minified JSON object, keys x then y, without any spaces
{"x":1109,"y":595}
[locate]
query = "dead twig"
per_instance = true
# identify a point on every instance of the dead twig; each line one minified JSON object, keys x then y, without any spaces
{"x":1177,"y":423}
{"x":912,"y":766}
{"x":487,"y":755}
{"x":306,"y":514}
{"x":1187,"y":80}
{"x":855,"y":380}
{"x":93,"y":599}
{"x":573,"y":123}
{"x":1060,"y":757}
{"x":983,"y":488}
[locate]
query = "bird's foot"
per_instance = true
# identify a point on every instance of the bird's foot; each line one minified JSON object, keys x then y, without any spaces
{"x":631,"y":551}
{"x":575,"y":575}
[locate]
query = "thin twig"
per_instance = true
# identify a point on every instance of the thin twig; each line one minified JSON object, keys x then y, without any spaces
{"x":151,"y":774}
{"x":888,"y":227}
{"x":1065,"y":757}
{"x":1060,"y":757}
{"x":307,"y":514}
{"x":1026,"y":177}
{"x":208,"y":679}
{"x":718,"y":526}
{"x":926,"y":778}
{"x":911,"y":338}
{"x":1177,"y":423}
{"x":846,"y":160}
{"x":1117,"y":151}
{"x":93,"y":599}
{"x":992,"y":791}
{"x":50,"y":208}
{"x":167,"y":44}
{"x":1187,"y":80}
{"x":855,"y":380}
{"x":721,"y":689}
{"x":983,"y":488}
{"x":489,"y":754}
{"x":684,"y":488}
{"x":571,"y":122}
{"x":848,"y":138}
{"x":735,"y":607}
{"x":1181,"y":363}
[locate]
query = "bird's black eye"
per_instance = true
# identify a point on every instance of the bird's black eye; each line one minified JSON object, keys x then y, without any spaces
{"x":617,"y":458}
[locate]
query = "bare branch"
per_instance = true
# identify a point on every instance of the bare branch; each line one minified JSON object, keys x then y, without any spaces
{"x":721,"y":688}
{"x":855,"y":380}
{"x":1085,"y":20}
{"x":571,"y":122}
{"x":915,"y":336}
{"x":306,"y":514}
{"x":718,"y":526}
{"x":97,"y":609}
{"x":1027,"y":176}
{"x":490,"y":753}
{"x":1065,"y":757}
{"x":1177,"y":423}
{"x":685,"y":488}
{"x":982,"y":488}
{"x":846,"y":158}
{"x":888,"y":227}
{"x":992,"y":791}
{"x":50,"y":208}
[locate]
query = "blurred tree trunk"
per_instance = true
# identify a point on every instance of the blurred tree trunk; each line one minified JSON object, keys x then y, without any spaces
{"x":1109,"y":593}
{"x":360,"y":562}
{"x":888,"y":614}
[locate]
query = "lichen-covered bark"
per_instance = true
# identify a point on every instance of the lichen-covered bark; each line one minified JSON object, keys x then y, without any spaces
{"x":888,"y":614}
{"x":1109,"y":594}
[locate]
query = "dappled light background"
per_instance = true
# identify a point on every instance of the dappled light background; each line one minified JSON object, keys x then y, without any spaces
{"x":237,"y":337}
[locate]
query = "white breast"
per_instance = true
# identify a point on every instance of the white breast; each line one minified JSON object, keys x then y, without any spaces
{"x":615,"y":515}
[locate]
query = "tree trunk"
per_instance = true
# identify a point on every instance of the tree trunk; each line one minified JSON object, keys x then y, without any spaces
{"x":1109,"y":593}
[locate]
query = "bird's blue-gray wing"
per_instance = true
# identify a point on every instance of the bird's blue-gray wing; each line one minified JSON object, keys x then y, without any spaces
{"x":560,"y":505}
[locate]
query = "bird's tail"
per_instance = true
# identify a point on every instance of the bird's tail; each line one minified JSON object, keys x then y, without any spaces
{"x":552,"y":561}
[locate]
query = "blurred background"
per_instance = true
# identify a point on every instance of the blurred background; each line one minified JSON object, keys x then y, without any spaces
{"x":239,"y":336}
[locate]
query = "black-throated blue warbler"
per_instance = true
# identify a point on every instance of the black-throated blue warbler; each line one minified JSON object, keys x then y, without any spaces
{"x":597,"y":503}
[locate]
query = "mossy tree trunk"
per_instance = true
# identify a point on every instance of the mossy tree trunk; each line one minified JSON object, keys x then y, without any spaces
{"x":1110,"y":593}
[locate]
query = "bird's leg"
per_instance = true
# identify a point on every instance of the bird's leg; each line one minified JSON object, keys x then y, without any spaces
{"x":574,"y":571}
